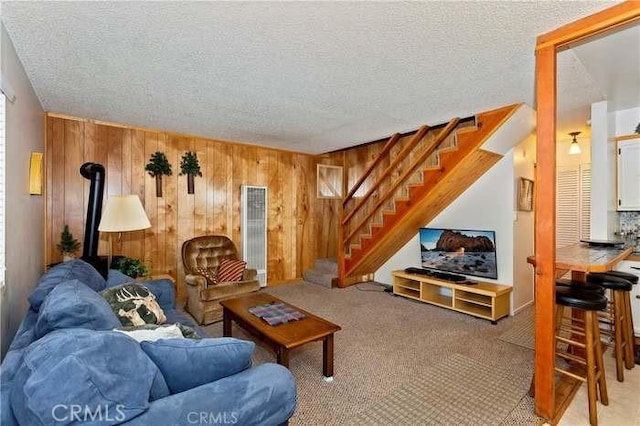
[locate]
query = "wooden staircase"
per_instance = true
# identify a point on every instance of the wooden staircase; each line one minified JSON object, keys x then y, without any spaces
{"x":409,"y":183}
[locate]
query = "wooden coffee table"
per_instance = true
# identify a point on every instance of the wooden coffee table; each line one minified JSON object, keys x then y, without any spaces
{"x":283,"y":337}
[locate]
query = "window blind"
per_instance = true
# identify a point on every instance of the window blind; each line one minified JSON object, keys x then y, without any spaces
{"x":3,"y":145}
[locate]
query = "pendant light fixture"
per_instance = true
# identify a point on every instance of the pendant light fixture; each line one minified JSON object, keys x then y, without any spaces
{"x":574,"y":148}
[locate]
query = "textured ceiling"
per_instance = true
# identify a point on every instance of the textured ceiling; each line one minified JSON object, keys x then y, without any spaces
{"x":304,"y":76}
{"x":600,"y":68}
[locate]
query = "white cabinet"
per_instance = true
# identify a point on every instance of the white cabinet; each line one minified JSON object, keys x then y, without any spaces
{"x":629,"y":174}
{"x":626,"y":266}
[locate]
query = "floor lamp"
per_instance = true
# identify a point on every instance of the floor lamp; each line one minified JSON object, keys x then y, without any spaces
{"x":122,"y":213}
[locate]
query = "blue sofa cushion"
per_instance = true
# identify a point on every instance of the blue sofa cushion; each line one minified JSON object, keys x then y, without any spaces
{"x":116,"y":278}
{"x":263,"y":395}
{"x":73,"y":304}
{"x":105,"y":373}
{"x":187,"y":363}
{"x":74,"y":269}
{"x":159,"y":388}
{"x":134,"y":304}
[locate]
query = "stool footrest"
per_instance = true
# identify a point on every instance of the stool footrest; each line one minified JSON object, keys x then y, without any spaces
{"x":571,"y":342}
{"x":572,"y":357}
{"x":570,"y":374}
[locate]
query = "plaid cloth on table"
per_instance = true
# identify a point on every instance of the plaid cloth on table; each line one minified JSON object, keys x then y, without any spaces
{"x":276,"y":313}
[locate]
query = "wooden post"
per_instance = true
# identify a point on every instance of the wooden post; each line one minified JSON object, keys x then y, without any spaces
{"x":545,"y":233}
{"x":546,"y":48}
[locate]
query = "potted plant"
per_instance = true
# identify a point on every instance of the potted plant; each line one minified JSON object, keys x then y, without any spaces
{"x":157,"y":166}
{"x":131,"y":267}
{"x":189,"y":166}
{"x":68,"y":245}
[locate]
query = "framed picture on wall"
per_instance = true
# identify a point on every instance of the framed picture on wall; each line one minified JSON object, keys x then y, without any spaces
{"x":525,"y":194}
{"x":329,"y":181}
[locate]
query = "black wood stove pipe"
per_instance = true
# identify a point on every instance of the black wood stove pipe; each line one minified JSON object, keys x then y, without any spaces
{"x":96,"y":174}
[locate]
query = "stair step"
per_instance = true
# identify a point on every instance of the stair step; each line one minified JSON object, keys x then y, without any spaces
{"x":316,"y":276}
{"x":328,"y":265}
{"x":447,"y":149}
{"x":467,"y":129}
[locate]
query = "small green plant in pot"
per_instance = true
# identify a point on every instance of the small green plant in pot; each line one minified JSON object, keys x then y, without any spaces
{"x":133,"y":268}
{"x":68,"y":245}
{"x":191,"y":167}
{"x":158,"y":166}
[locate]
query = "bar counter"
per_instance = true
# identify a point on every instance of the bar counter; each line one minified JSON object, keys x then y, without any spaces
{"x":579,"y":259}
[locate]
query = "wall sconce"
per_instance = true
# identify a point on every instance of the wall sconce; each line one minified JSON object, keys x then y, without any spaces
{"x":574,"y":148}
{"x":35,"y":173}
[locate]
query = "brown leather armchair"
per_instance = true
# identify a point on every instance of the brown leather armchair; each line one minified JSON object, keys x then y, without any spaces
{"x":203,"y":301}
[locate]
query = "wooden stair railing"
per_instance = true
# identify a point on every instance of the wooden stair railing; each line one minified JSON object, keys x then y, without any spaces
{"x":428,"y":150}
{"x":417,"y":137}
{"x":385,"y":151}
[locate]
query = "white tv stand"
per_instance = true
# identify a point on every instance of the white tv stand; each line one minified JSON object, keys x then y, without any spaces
{"x":484,"y":300}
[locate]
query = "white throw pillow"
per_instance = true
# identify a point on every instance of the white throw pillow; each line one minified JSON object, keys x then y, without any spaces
{"x":168,"y":332}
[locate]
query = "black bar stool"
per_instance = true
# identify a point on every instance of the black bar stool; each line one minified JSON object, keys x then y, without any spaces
{"x":587,"y":338}
{"x":620,"y":317}
{"x":580,"y":285}
{"x":633,"y":278}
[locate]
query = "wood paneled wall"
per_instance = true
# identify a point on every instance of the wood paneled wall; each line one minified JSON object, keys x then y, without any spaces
{"x":301,"y":227}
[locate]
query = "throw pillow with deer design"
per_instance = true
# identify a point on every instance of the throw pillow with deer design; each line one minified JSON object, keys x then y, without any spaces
{"x":134,"y":304}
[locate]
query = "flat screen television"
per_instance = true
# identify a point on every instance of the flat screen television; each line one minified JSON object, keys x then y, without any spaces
{"x":459,"y":251}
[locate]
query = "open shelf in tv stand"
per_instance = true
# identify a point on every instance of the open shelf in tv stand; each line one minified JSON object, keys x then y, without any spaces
{"x":484,"y":300}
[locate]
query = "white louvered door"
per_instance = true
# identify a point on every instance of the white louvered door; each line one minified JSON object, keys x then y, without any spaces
{"x":585,"y":201}
{"x":567,"y":196}
{"x":573,"y":204}
{"x":254,"y":229}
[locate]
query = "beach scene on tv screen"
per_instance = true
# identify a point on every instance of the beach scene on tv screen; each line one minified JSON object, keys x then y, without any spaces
{"x":459,"y":251}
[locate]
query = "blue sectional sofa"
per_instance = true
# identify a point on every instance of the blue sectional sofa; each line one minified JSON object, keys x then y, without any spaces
{"x":67,"y":365}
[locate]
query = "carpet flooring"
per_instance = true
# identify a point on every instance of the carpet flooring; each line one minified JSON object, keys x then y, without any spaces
{"x":457,"y":391}
{"x":522,"y":333}
{"x":403,"y":362}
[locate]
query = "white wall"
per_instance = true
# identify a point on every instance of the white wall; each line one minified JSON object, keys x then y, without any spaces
{"x":626,"y":121}
{"x":604,"y":216}
{"x":24,"y":212}
{"x":488,"y":205}
{"x":524,"y":158}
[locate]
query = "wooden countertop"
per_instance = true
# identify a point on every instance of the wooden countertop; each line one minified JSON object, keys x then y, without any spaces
{"x":581,"y":257}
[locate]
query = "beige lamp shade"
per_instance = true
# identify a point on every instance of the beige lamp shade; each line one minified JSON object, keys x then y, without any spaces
{"x":123,"y":213}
